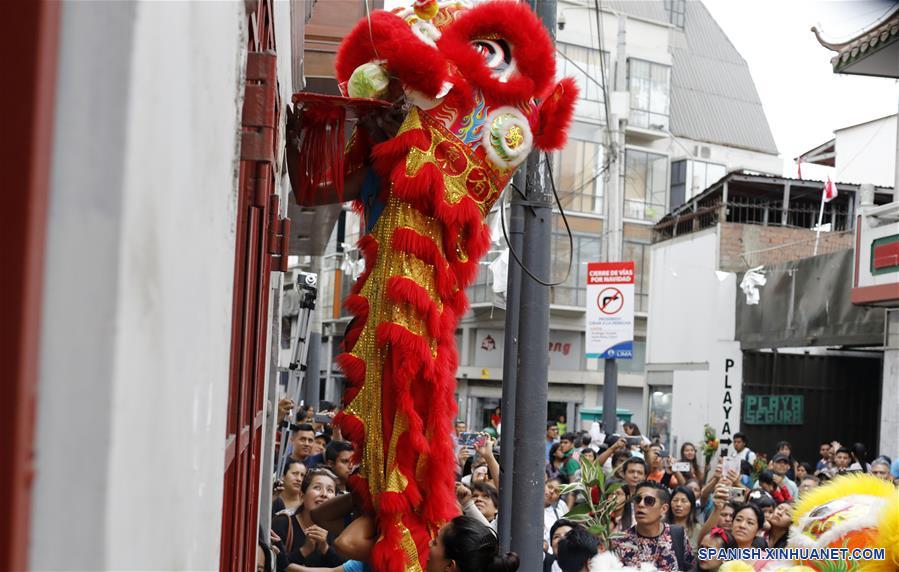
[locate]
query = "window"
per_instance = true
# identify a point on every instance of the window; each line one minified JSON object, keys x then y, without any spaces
{"x":637,"y":364}
{"x":677,"y":12}
{"x":582,"y":64}
{"x":678,"y":183}
{"x":649,"y":86}
{"x":573,"y":292}
{"x":646,"y":183}
{"x":639,"y":253}
{"x":578,"y":175}
{"x":481,"y":290}
{"x":701,"y":175}
{"x":660,"y":413}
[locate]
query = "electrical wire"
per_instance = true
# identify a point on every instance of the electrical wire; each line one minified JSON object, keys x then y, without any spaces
{"x":371,"y":34}
{"x":514,"y":254}
{"x":602,"y":73}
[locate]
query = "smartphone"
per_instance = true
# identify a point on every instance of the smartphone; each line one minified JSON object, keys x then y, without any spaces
{"x":471,"y":439}
{"x":681,"y":467}
{"x":730,"y":463}
{"x":736,"y":494}
{"x":633,"y":441}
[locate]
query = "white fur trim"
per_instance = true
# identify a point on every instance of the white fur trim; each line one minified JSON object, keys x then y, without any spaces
{"x":870,"y":520}
{"x":513,"y":157}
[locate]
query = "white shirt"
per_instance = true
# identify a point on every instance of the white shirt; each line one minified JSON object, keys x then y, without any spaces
{"x":745,"y":455}
{"x":551,"y":514}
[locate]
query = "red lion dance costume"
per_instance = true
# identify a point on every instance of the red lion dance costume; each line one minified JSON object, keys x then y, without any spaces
{"x":473,"y":76}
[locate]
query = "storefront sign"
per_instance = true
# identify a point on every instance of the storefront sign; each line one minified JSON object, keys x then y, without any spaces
{"x":773,"y":409}
{"x":610,"y":310}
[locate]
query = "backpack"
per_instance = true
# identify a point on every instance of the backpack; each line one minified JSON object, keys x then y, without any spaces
{"x":678,"y":542}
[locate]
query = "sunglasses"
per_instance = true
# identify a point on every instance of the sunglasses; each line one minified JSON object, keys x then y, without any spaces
{"x":647,"y":500}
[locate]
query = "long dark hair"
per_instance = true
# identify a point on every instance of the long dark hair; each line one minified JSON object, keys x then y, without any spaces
{"x":691,"y":516}
{"x":693,"y":463}
{"x":474,"y":547}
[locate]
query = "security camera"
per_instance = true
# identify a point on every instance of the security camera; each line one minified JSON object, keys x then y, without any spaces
{"x":561,"y":21}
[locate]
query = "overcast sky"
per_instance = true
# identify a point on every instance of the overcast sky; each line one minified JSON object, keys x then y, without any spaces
{"x":803,"y":99}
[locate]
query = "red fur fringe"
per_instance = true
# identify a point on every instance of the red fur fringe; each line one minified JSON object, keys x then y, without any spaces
{"x":530,"y":44}
{"x":555,"y":116}
{"x":389,"y":38}
{"x":405,"y":290}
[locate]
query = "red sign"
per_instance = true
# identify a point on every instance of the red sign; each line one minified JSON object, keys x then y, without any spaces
{"x":610,"y":272}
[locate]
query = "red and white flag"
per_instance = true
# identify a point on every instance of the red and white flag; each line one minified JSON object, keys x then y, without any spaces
{"x":830,"y":191}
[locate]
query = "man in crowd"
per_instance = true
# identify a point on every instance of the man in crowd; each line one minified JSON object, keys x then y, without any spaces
{"x":570,"y":466}
{"x":880,"y":468}
{"x":842,"y":458}
{"x":303,"y":440}
{"x":825,"y":463}
{"x":780,"y":465}
{"x":339,"y":458}
{"x":808,"y":483}
{"x":741,"y":446}
{"x":553,"y":509}
{"x":634,"y":471}
{"x":552,"y":435}
{"x":651,"y":540}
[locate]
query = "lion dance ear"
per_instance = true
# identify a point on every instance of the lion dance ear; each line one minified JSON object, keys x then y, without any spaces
{"x":554,"y":116}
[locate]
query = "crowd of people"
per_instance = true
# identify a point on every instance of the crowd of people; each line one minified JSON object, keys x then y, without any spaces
{"x":665,"y":506}
{"x":314,"y":527}
{"x":668,"y":505}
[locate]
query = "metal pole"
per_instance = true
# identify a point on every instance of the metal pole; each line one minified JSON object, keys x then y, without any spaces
{"x":615,"y":218}
{"x":820,"y":220}
{"x":610,"y":397}
{"x":533,"y":356}
{"x":312,"y":379}
{"x":510,"y":361}
{"x":896,"y":176}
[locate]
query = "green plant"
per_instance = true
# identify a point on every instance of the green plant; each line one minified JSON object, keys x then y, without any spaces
{"x":600,"y":500}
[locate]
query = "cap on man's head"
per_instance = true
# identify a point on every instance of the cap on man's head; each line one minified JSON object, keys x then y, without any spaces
{"x":780,"y":457}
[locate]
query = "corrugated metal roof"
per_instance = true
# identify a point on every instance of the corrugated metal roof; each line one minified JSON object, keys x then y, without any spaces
{"x":713,"y":97}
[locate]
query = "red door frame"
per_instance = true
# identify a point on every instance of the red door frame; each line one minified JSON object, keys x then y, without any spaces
{"x":261,"y":247}
{"x":33,"y":36}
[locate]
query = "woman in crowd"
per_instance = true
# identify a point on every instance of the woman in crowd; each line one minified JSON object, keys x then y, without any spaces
{"x":694,"y":486}
{"x":859,"y":458}
{"x":803,"y":469}
{"x":716,"y":539}
{"x":631,"y":430}
{"x":466,"y":545}
{"x":486,"y":499}
{"x":748,"y":522}
{"x":559,"y":529}
{"x":304,"y":542}
{"x":290,"y":496}
{"x":688,"y":455}
{"x":682,"y":511}
{"x":779,"y":525}
{"x":554,"y":466}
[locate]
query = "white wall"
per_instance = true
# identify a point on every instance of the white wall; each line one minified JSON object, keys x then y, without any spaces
{"x":137,"y":303}
{"x":866,"y":153}
{"x":732,"y":158}
{"x":691,"y":335}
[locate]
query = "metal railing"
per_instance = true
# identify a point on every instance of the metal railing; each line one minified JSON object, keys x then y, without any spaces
{"x":748,"y":210}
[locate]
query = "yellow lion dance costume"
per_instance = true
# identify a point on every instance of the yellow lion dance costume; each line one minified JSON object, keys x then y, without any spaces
{"x":852,"y":511}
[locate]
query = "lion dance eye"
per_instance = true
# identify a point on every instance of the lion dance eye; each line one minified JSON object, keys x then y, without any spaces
{"x":497,"y":54}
